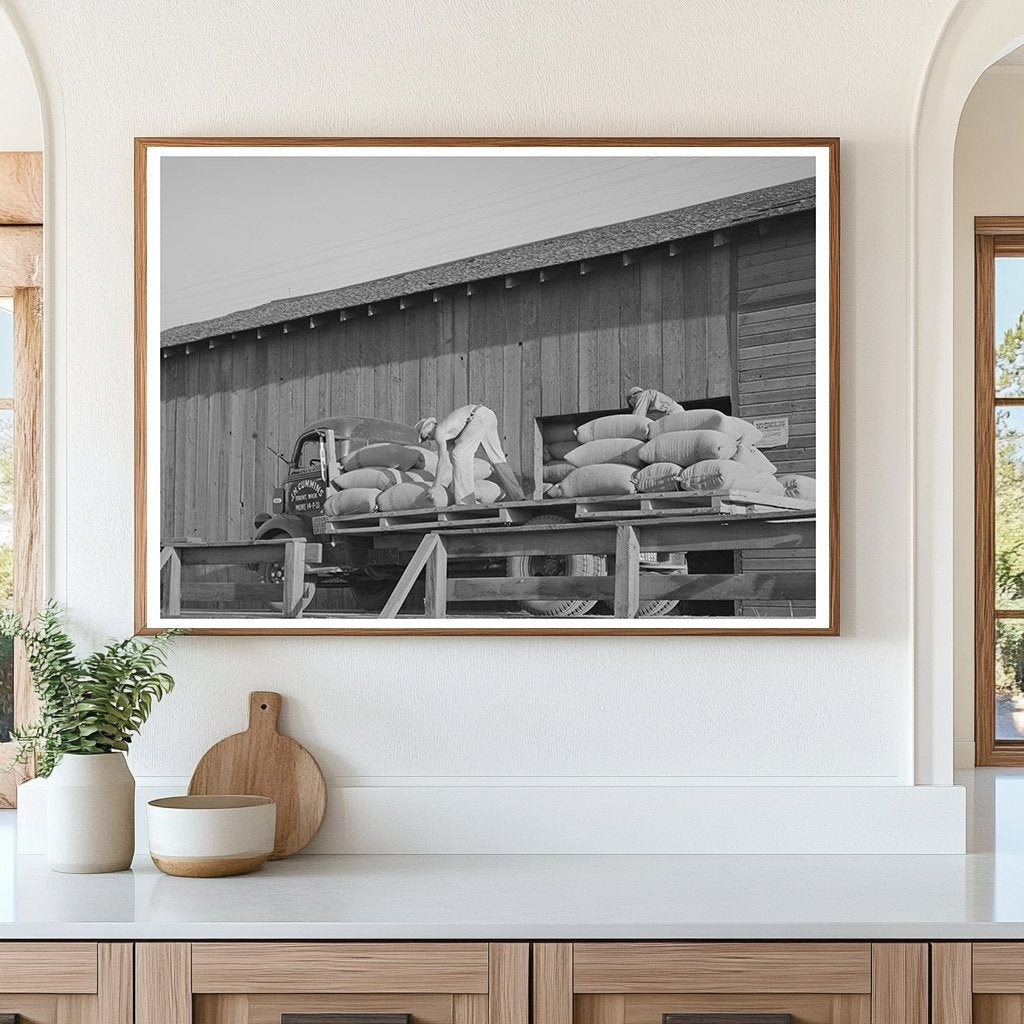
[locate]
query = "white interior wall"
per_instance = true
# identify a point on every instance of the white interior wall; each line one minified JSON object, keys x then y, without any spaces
{"x":20,"y":122}
{"x":987,"y":182}
{"x":432,"y":718}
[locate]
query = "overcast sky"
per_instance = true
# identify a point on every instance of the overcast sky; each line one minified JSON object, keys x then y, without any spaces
{"x":240,"y":231}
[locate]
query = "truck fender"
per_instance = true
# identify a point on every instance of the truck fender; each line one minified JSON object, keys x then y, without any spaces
{"x":292,"y":526}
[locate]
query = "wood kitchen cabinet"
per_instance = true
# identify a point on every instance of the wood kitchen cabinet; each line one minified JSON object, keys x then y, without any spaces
{"x":308,"y":982}
{"x":758,"y":982}
{"x":978,"y":983}
{"x":66,"y":982}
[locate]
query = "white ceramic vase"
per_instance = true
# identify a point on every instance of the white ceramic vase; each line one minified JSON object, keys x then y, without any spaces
{"x":90,"y":814}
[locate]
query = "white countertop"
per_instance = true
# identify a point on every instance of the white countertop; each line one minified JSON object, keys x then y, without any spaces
{"x":516,"y":897}
{"x":978,"y":896}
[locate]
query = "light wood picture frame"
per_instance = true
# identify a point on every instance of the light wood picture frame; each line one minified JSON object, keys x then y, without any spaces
{"x":298,"y":300}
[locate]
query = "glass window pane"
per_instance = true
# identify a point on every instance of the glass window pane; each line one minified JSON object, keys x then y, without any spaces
{"x":6,"y":353}
{"x":1009,"y":679}
{"x":1009,"y":324}
{"x":6,"y":567}
{"x":1009,"y":522}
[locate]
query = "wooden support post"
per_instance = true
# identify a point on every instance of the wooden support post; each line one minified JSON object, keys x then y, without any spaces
{"x":416,"y":565}
{"x":627,"y":572}
{"x":173,"y":563}
{"x":294,"y":576}
{"x":436,"y":603}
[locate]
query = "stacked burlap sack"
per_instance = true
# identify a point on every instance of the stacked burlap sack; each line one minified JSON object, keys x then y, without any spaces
{"x":390,"y":477}
{"x":696,"y":450}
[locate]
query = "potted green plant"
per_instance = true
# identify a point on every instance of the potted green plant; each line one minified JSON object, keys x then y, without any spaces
{"x":90,"y":708}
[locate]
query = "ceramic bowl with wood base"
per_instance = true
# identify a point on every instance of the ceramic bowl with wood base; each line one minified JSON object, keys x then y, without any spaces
{"x":211,"y":836}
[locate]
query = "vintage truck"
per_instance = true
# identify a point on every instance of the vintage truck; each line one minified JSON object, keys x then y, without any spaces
{"x":544,"y":557}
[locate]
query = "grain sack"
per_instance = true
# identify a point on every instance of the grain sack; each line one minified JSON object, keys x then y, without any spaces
{"x":610,"y":450}
{"x":405,"y":496}
{"x":546,"y":454}
{"x":487,"y":492}
{"x":555,"y":472}
{"x":416,"y":476}
{"x":385,"y":455}
{"x":687,"y":447}
{"x":707,"y":419}
{"x":796,"y":486}
{"x":554,"y":432}
{"x":351,"y":502}
{"x":754,"y":458}
{"x":482,"y":469}
{"x":614,"y":426}
{"x":428,"y":459}
{"x":595,"y":480}
{"x":372,"y":478}
{"x":658,"y":476}
{"x":559,"y":449}
{"x":720,"y":475}
{"x":767,"y":484}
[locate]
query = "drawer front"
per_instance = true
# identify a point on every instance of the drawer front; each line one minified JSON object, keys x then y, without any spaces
{"x":66,"y":982}
{"x":333,"y":983}
{"x":981,"y":982}
{"x":64,"y":967}
{"x":730,"y":983}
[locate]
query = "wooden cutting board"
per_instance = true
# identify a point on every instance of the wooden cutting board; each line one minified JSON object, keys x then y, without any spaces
{"x":262,"y":762}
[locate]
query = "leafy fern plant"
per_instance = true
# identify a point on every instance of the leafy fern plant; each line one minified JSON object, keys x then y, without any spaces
{"x":90,"y":705}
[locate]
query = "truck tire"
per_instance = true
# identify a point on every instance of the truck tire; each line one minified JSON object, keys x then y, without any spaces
{"x":521,"y":566}
{"x":372,"y":597}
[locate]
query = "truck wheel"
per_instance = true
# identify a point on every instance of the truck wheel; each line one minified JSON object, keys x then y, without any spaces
{"x":521,"y":566}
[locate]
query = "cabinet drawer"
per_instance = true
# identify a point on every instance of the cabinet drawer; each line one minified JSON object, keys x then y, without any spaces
{"x":66,"y":982}
{"x":981,"y":982}
{"x":730,"y":983}
{"x":333,"y":983}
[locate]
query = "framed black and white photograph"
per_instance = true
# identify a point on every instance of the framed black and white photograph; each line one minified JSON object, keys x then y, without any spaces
{"x":559,"y":386}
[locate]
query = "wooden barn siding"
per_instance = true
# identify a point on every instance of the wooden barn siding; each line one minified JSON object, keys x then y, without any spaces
{"x":574,"y":342}
{"x":776,"y":366}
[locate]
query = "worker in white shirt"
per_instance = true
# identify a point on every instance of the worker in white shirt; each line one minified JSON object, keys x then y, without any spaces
{"x":644,"y":401}
{"x":466,"y":430}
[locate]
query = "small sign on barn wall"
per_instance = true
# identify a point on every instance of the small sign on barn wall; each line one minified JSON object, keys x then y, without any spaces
{"x":775,"y":430}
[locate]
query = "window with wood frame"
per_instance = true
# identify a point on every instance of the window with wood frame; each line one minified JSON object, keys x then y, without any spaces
{"x":21,"y":364}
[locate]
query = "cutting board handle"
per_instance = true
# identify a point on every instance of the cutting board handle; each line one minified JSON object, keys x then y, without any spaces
{"x":264,"y":710}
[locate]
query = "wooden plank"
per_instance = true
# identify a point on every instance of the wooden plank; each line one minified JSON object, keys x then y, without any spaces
{"x":510,"y":408}
{"x":21,"y":188}
{"x":650,"y":339}
{"x":750,"y":317}
{"x":720,"y":325}
{"x":997,"y":1009}
{"x":436,"y":579}
{"x":951,"y":969}
{"x":569,"y":344}
{"x":627,"y":573}
{"x":508,"y":991}
{"x":621,"y":967}
{"x":460,"y":365}
{"x":115,"y":983}
{"x":66,"y":967}
{"x":468,"y":1009}
{"x":419,"y":561}
{"x":998,"y":966}
{"x":444,"y":314}
{"x":899,"y":975}
{"x":549,"y":318}
{"x":684,"y":298}
{"x":21,"y":258}
{"x":587,"y":399}
{"x":294,"y":577}
{"x":629,"y":332}
{"x":532,"y":400}
{"x":748,"y":585}
{"x":163,"y":983}
{"x":604,"y":1009}
{"x":342,"y":967}
{"x":605,"y":389}
{"x":552,"y":983}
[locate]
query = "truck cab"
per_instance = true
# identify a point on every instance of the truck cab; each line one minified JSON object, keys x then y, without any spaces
{"x":319,"y":452}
